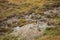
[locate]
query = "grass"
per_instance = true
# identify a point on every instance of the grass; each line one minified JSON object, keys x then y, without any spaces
{"x":17,"y":7}
{"x":53,"y":31}
{"x":49,"y":37}
{"x":8,"y":37}
{"x":56,"y":21}
{"x":24,"y":6}
{"x":51,"y":34}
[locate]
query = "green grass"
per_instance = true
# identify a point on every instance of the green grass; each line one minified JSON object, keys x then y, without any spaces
{"x":50,"y":34}
{"x":53,"y":31}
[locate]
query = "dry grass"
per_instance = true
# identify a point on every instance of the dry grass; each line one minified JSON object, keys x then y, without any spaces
{"x":24,"y":6}
{"x":49,"y":37}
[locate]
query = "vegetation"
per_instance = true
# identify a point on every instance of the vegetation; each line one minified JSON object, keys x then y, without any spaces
{"x":19,"y":8}
{"x":49,"y":37}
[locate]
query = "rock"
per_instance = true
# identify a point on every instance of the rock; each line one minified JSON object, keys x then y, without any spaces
{"x":30,"y":31}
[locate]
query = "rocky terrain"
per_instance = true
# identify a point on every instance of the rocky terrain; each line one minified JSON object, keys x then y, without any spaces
{"x":29,"y":20}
